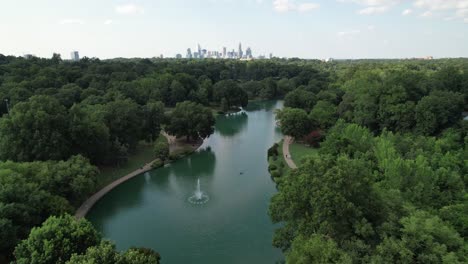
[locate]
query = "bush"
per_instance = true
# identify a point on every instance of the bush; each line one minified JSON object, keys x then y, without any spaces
{"x":161,"y":150}
{"x":157,"y":164}
{"x":272,"y":167}
{"x":273,"y":151}
{"x":275,"y":174}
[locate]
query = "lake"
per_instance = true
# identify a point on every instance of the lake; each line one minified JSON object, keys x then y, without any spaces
{"x":231,"y":226}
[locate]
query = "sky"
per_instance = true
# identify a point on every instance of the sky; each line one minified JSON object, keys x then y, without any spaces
{"x":311,"y":29}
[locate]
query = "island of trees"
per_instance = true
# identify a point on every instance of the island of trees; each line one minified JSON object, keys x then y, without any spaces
{"x":388,"y":184}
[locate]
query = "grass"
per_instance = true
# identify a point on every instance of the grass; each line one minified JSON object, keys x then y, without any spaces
{"x":299,"y":151}
{"x":143,"y":154}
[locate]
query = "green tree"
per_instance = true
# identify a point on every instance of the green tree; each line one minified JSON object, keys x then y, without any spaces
{"x":56,"y":240}
{"x":35,"y":130}
{"x":191,"y":120}
{"x":153,"y":118}
{"x":161,"y":150}
{"x":316,"y":249}
{"x":294,"y":122}
{"x":324,"y":114}
{"x":300,"y":98}
{"x":229,"y":90}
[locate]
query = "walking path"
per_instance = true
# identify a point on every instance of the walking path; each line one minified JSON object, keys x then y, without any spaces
{"x":88,"y":204}
{"x":287,"y":156}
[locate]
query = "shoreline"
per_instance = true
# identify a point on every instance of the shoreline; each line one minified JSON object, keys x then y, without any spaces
{"x":175,"y":145}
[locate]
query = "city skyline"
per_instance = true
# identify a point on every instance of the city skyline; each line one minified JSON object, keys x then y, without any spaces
{"x":310,"y":29}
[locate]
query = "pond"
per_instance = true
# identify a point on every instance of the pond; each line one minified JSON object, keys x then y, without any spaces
{"x":230,"y":224}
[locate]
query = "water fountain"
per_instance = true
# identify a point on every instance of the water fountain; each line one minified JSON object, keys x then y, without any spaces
{"x":198,"y":196}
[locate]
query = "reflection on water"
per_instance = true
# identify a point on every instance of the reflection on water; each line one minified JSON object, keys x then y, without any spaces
{"x":233,"y":227}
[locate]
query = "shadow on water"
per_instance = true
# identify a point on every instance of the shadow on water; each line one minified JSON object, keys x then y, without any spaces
{"x":199,"y":164}
{"x":261,"y":105}
{"x":231,"y":124}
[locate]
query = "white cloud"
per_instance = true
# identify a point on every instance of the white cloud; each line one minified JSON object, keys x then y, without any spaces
{"x":371,"y":27}
{"x":129,"y":9}
{"x":371,"y":10}
{"x":305,"y":7}
{"x":436,"y":5}
{"x":427,"y":14}
{"x":348,"y":33}
{"x":71,"y":21}
{"x":283,"y":6}
{"x":372,"y":7}
{"x":108,"y":22}
{"x":406,"y":12}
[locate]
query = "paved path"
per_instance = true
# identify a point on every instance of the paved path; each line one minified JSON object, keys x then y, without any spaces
{"x":88,"y":204}
{"x":287,"y":156}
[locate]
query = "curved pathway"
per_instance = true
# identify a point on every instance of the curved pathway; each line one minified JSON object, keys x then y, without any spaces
{"x":287,"y":156}
{"x":88,"y":204}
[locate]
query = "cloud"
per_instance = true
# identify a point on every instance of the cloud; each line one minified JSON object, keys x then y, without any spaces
{"x":305,"y":7}
{"x":129,"y":9}
{"x":373,"y":10}
{"x":108,"y":22}
{"x":283,"y":6}
{"x":348,"y":33}
{"x":372,"y":7}
{"x":427,"y":14}
{"x":71,"y":21}
{"x":407,"y":12}
{"x":437,"y":5}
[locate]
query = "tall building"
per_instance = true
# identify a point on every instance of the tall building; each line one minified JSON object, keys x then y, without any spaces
{"x":199,"y":49}
{"x":179,"y":56}
{"x":248,"y":52}
{"x":240,"y":53}
{"x":189,"y":53}
{"x":75,"y":56}
{"x":224,"y":52}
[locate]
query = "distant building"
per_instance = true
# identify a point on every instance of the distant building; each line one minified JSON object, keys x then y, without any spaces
{"x":224,"y":52}
{"x":240,"y":53}
{"x":189,"y":53}
{"x":248,"y":53}
{"x":75,"y":56}
{"x":28,"y":56}
{"x":271,"y":56}
{"x":196,"y":55}
{"x":179,"y":56}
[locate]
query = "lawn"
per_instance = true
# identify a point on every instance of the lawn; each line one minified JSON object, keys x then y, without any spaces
{"x":142,"y":155}
{"x":299,"y":151}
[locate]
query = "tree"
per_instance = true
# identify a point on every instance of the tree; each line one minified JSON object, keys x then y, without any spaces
{"x":316,"y":249}
{"x":229,"y":90}
{"x":300,"y":98}
{"x":438,"y":111}
{"x":161,"y":150}
{"x":56,"y":240}
{"x":104,"y":253}
{"x":294,"y":122}
{"x":191,"y":120}
{"x":324,"y":114}
{"x":154,"y":117}
{"x":35,"y":130}
{"x":141,"y":256}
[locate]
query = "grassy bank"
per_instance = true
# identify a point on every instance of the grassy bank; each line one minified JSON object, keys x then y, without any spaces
{"x":299,"y":151}
{"x":143,"y":154}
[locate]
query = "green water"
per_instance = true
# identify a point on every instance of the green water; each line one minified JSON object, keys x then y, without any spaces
{"x":232,"y":227}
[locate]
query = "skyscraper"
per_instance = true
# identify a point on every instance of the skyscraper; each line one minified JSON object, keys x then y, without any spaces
{"x":224,"y":52}
{"x":199,"y":49}
{"x":189,"y":53}
{"x":240,"y":52}
{"x":248,"y":52}
{"x":75,"y":56}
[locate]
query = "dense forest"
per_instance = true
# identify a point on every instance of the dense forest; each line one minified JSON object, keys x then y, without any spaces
{"x":388,"y":185}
